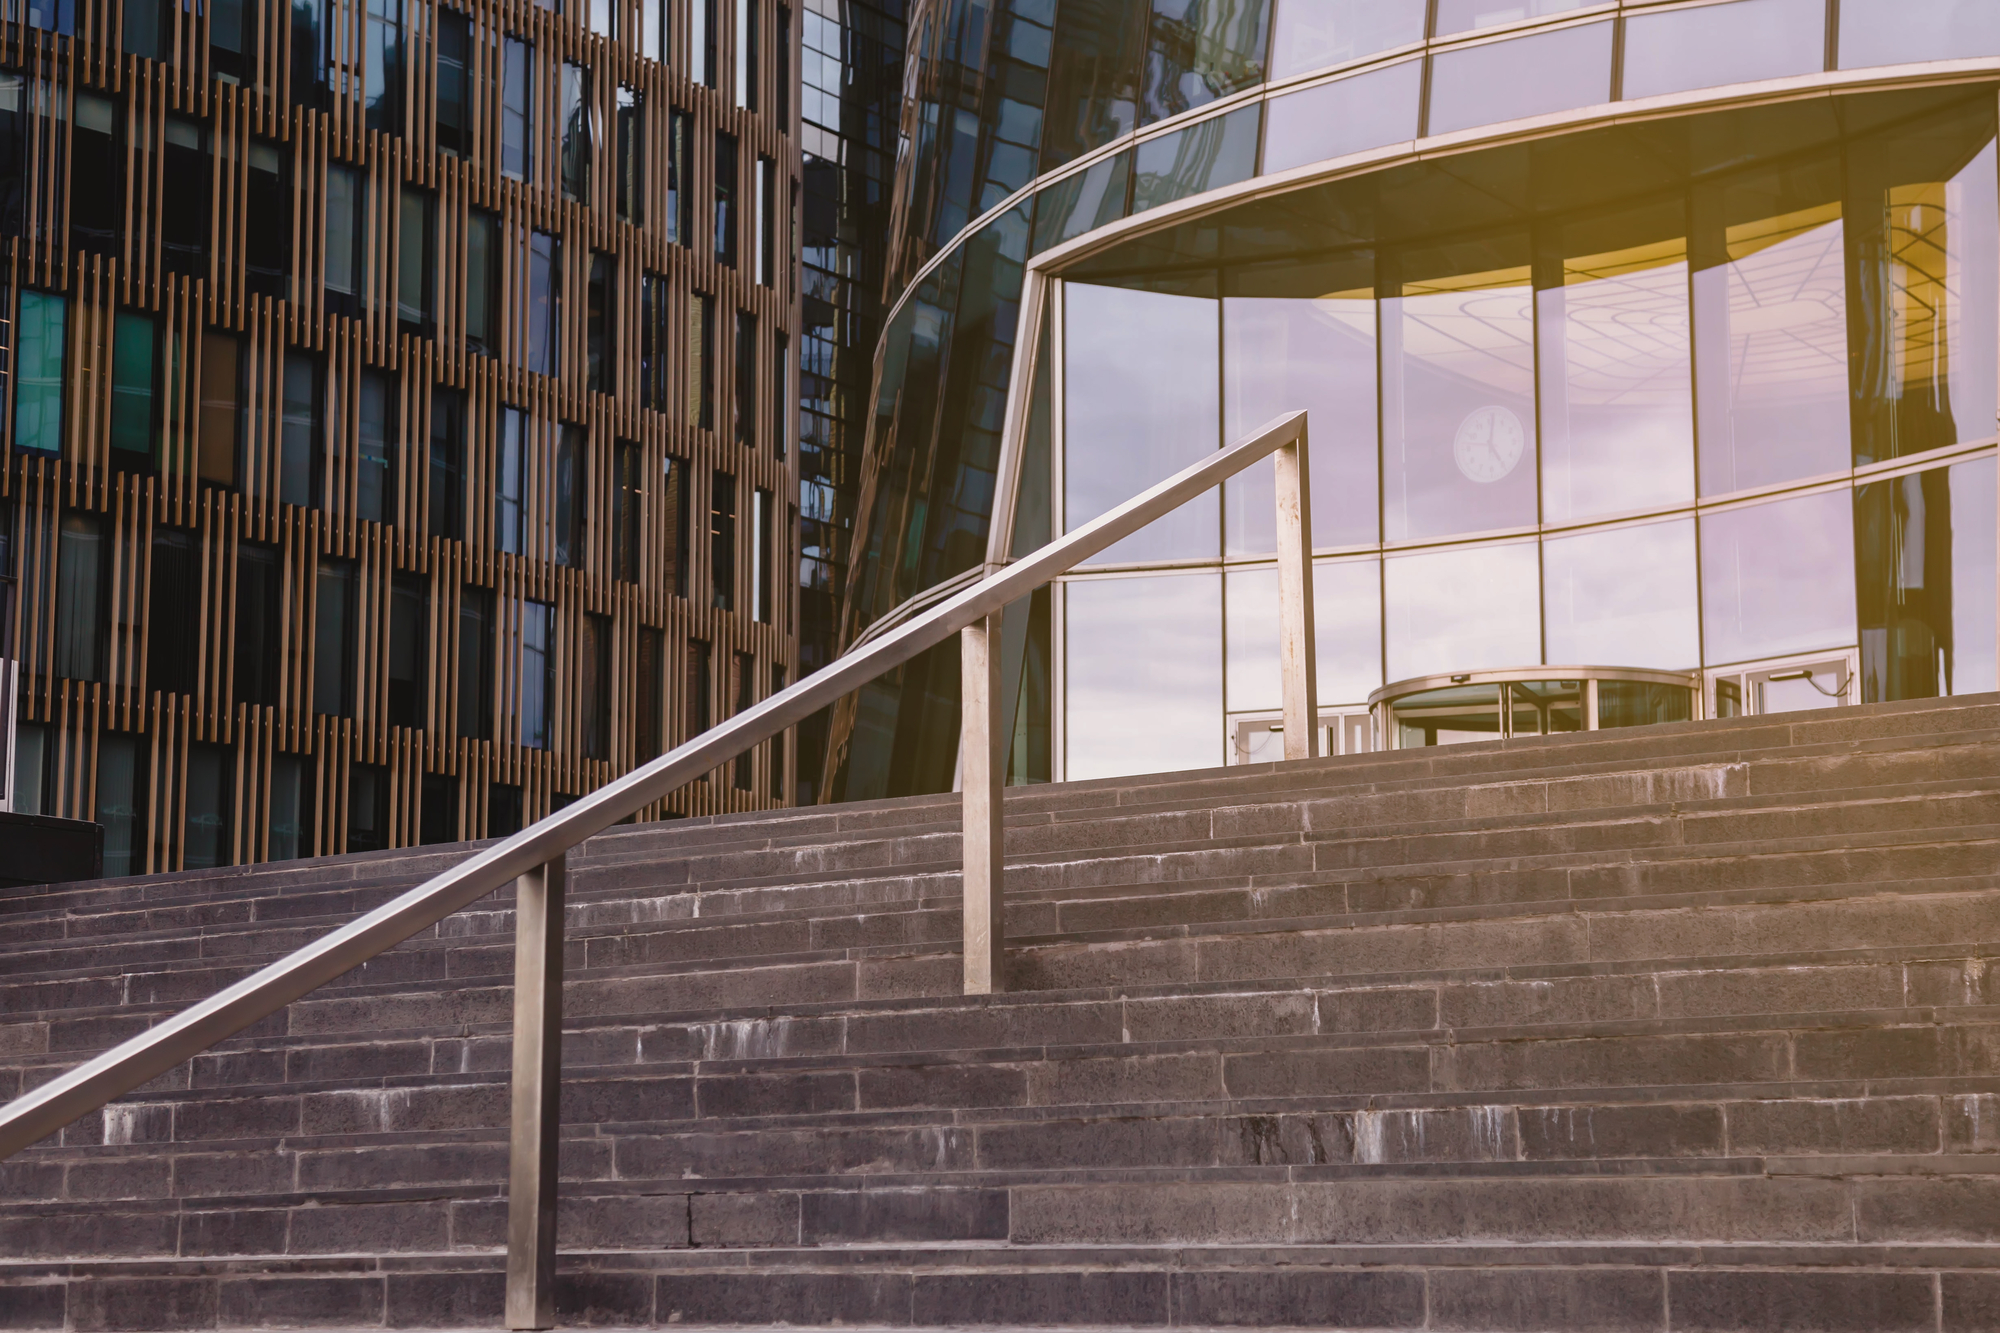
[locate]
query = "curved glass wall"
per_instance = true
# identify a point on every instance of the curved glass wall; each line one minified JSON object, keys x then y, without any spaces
{"x":1121,"y":109}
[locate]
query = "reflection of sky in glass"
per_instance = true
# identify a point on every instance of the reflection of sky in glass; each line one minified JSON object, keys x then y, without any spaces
{"x":1140,"y":405}
{"x":1347,"y":633}
{"x":1779,"y":578}
{"x":1313,"y":34}
{"x":1676,"y":50}
{"x":1972,"y":576}
{"x":1282,"y":355}
{"x":1346,"y":116}
{"x":1626,"y":597}
{"x":1895,"y":32}
{"x":1458,"y":361}
{"x":1771,"y":343}
{"x":1464,"y":15}
{"x":1463,"y":610}
{"x":1617,"y":397}
{"x":1528,"y":76}
{"x":1143,"y":666}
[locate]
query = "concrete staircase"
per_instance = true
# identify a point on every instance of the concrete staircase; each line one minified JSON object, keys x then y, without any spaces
{"x":1687,"y":1027}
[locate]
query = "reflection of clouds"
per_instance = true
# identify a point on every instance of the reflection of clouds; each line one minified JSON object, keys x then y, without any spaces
{"x":1623,"y":598}
{"x":1787,"y":316}
{"x":1625,"y":340}
{"x":1143,"y":664}
{"x":1347,"y":633}
{"x":1485,"y":337}
{"x":1465,"y":610}
{"x":1779,"y":578}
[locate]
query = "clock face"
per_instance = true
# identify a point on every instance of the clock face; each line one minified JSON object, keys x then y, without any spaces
{"x":1489,"y":443}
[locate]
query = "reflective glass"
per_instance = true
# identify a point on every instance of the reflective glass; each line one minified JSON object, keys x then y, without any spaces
{"x":38,"y":373}
{"x":1281,"y":355}
{"x":1207,"y":156}
{"x":1895,"y":32}
{"x":121,"y":803}
{"x":1770,"y":329}
{"x":1082,"y":202}
{"x":1458,"y":401}
{"x":1348,"y":115}
{"x":1143,"y":668}
{"x":1313,"y":34}
{"x":1774,"y":577}
{"x":1924,"y":562}
{"x":1466,"y":15}
{"x":1674,"y":50}
{"x":1623,"y":597}
{"x":1617,"y":401}
{"x":1347,"y":633}
{"x":1468,"y":609}
{"x":1975,"y":487}
{"x":1923,"y":240}
{"x":1200,"y":50}
{"x":1527,"y":76}
{"x":1093,"y":78}
{"x":1140,"y":369}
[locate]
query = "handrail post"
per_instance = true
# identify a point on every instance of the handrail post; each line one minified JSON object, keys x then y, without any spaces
{"x":982,"y":778}
{"x":1295,"y":599}
{"x":536,"y":1123}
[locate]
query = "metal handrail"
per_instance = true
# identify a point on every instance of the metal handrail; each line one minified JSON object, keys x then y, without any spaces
{"x":533,"y":859}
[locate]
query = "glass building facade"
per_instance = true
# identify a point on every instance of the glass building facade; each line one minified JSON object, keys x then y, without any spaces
{"x":1653,"y":336}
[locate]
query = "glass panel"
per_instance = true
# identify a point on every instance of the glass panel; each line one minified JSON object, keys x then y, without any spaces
{"x":1448,"y":717}
{"x":1677,"y":49}
{"x":38,"y":390}
{"x":1079,"y":203}
{"x":1201,"y":157}
{"x":1458,"y":397}
{"x":81,"y":565}
{"x":1346,"y":116}
{"x":544,"y":297}
{"x":1281,"y":355}
{"x":343,"y":231}
{"x":375,"y":491}
{"x":516,"y":153}
{"x":333,"y":659}
{"x":536,"y":643}
{"x":1544,"y":707}
{"x":1770,"y":329}
{"x":1922,"y":231}
{"x":1528,"y":76}
{"x":1895,"y":32}
{"x":1143,"y":680}
{"x":134,"y":361}
{"x":121,"y":790}
{"x":1093,"y":78}
{"x":1141,"y":405}
{"x":1917,"y":539}
{"x":207,"y":810}
{"x":1623,"y":597}
{"x":1201,"y":50}
{"x":1629,"y":703}
{"x":291,"y":808}
{"x":1466,"y":15}
{"x":1616,"y":375}
{"x":1475,"y":608}
{"x":1774,"y":577}
{"x":1313,"y":34}
{"x":1974,"y":598}
{"x":298,"y":450}
{"x":1347,"y":633}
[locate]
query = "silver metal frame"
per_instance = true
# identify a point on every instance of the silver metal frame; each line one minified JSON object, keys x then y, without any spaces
{"x":1382,"y":702}
{"x":532,"y":859}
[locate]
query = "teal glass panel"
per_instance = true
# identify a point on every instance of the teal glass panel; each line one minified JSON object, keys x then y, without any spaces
{"x":38,"y":373}
{"x":135,"y":356}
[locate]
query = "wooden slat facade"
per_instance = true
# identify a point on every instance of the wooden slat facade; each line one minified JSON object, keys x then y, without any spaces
{"x":40,"y":491}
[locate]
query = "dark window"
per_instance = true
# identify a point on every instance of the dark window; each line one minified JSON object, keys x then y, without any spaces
{"x":781,"y":399}
{"x":576,"y":135}
{"x":746,"y":695}
{"x":781,"y":86}
{"x":51,"y":15}
{"x":651,"y":692}
{"x":121,"y":802}
{"x":778,"y":741}
{"x":544,"y":302}
{"x":760,"y":556}
{"x":537,"y":665}
{"x":482,"y":282}
{"x":291,"y":807}
{"x":701,"y":362}
{"x":205,"y":839}
{"x":184,"y":207}
{"x":627,"y":506}
{"x":416,"y":262}
{"x":725,"y":199}
{"x":744,"y":410}
{"x":655,"y":300}
{"x":572,"y":495}
{"x":345,"y":231}
{"x":301,"y":434}
{"x":220,"y":425}
{"x":232,"y":44}
{"x":135,"y":387}
{"x":596,"y":692}
{"x":447,"y":497}
{"x":83,"y":569}
{"x":746,"y":53}
{"x":13,"y":151}
{"x":503,"y":810}
{"x":767,"y":221}
{"x":516,"y":118}
{"x":377,"y":437}
{"x":42,"y":341}
{"x":173,"y":613}
{"x":383,"y":82}
{"x":679,"y":530}
{"x":259,"y":630}
{"x":722,"y":541}
{"x":96,"y":166}
{"x":511,"y":457}
{"x":599,"y":324}
{"x":631,"y":155}
{"x":700,"y":716}
{"x":701,"y":40}
{"x":454,"y":82}
{"x":367,"y":808}
{"x":409,"y":651}
{"x":475,"y":663}
{"x":140,"y":28}
{"x":308,"y":70}
{"x":680,"y":178}
{"x":333,"y":639}
{"x":437,"y":816}
{"x":267,"y":247}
